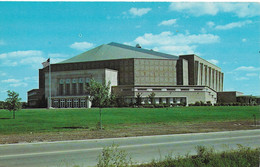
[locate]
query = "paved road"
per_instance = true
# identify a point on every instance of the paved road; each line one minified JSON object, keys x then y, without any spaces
{"x":141,"y":149}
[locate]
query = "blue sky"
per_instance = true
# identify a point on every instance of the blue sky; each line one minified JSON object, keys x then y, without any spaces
{"x":226,"y":34}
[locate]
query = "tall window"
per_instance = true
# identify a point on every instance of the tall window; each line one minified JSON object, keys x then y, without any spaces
{"x":67,"y":89}
{"x":61,"y":89}
{"x":74,"y":88}
{"x":81,"y":88}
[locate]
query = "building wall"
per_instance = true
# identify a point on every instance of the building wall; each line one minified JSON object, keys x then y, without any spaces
{"x":125,"y":68}
{"x":203,"y":73}
{"x":190,"y":93}
{"x":34,"y":97}
{"x":227,"y":97}
{"x":155,"y":72}
{"x":68,"y":83}
{"x":182,"y":72}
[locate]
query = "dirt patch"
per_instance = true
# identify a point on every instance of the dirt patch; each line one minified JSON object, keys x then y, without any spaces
{"x":126,"y":131}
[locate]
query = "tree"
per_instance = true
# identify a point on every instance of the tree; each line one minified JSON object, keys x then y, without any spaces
{"x":151,"y":97}
{"x":13,"y":102}
{"x":138,"y":99}
{"x":100,"y":95}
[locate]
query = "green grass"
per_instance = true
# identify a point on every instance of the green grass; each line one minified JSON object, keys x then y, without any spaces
{"x":207,"y":157}
{"x":43,"y":120}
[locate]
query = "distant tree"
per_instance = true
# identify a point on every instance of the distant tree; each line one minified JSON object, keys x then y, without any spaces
{"x":138,"y":99}
{"x":151,"y":97}
{"x":100,"y":96}
{"x":2,"y":105}
{"x":13,"y":102}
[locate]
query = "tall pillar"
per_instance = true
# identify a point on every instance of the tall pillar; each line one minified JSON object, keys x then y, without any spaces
{"x":217,"y":82}
{"x":213,"y":79}
{"x":210,"y":79}
{"x":216,"y":79}
{"x":222,"y":81}
{"x":199,"y":74}
{"x":203,"y":75}
{"x":206,"y":75}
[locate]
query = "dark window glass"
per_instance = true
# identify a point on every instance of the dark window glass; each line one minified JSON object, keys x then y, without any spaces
{"x":74,"y":89}
{"x":67,"y":89}
{"x":61,"y":89}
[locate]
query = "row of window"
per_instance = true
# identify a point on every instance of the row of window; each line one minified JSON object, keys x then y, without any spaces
{"x":159,"y":100}
{"x":69,"y":103}
{"x":72,"y":89}
{"x":75,"y":80}
{"x":162,"y":89}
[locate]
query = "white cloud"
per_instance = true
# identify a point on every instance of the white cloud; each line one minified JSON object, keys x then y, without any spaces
{"x":31,"y":79}
{"x":56,"y":60}
{"x":175,"y":44}
{"x":209,"y":8}
{"x":241,"y":78}
{"x":32,"y":60}
{"x":244,"y":40}
{"x":19,"y":84}
{"x":213,"y":61}
{"x":168,"y":22}
{"x":15,"y":82}
{"x":251,"y":74}
{"x":140,"y":11}
{"x":233,"y":25}
{"x":196,"y":9}
{"x":54,"y":55}
{"x":82,"y":46}
{"x":10,"y":81}
{"x":210,"y":24}
{"x":20,"y":54}
{"x":249,"y":68}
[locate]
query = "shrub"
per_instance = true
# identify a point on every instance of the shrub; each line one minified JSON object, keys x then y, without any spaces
{"x":209,"y":103}
{"x":148,"y":106}
{"x":113,"y":157}
{"x":166,"y":105}
{"x":159,"y":106}
{"x":197,"y":103}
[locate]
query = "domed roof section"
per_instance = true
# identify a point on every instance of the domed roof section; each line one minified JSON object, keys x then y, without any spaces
{"x":114,"y":51}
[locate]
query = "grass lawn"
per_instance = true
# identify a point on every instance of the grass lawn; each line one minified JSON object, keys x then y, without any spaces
{"x":54,"y":120}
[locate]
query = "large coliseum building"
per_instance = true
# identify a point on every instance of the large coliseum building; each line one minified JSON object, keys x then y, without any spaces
{"x":131,"y":70}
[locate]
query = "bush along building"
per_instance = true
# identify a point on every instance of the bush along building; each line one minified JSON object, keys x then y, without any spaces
{"x":131,"y":71}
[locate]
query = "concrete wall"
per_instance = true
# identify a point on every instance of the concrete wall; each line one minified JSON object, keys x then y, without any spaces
{"x":191,"y":93}
{"x":228,"y":96}
{"x":68,"y":78}
{"x":203,"y":73}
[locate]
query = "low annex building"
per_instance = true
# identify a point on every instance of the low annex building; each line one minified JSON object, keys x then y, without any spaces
{"x":131,"y":70}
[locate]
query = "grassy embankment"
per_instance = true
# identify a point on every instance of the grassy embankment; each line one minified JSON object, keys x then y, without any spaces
{"x":43,"y":120}
{"x":206,"y":157}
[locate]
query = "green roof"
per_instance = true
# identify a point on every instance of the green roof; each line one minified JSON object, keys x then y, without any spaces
{"x":113,"y":51}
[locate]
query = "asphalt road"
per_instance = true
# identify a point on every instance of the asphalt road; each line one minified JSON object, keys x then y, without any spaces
{"x":141,"y":149}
